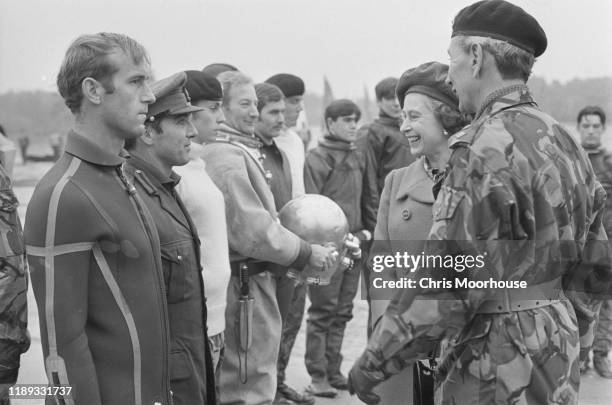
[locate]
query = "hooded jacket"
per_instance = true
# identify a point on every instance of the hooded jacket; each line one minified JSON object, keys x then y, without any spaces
{"x":233,"y":162}
{"x":338,"y":170}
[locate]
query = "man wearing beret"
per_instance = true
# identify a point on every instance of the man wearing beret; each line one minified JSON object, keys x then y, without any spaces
{"x":92,"y":245}
{"x":291,"y":144}
{"x":293,"y":88}
{"x":164,"y":144}
{"x":205,"y":92}
{"x":205,"y":204}
{"x":521,"y":194}
{"x":258,"y":244}
{"x":289,"y":141}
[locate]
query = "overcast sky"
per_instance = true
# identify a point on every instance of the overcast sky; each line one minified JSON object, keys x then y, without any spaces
{"x":353,"y":42}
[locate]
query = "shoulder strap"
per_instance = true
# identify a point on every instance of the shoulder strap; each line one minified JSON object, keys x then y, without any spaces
{"x":464,"y":137}
{"x":144,"y":181}
{"x":248,"y":151}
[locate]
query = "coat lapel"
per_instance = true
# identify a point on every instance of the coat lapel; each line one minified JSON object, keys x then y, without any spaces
{"x":170,"y":204}
{"x":416,"y":184}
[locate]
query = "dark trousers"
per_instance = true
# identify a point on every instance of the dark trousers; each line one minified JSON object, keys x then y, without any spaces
{"x":291,"y":302}
{"x":284,"y":293}
{"x":330,"y":310}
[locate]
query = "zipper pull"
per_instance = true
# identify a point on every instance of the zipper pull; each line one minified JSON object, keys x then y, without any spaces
{"x":129,"y":186}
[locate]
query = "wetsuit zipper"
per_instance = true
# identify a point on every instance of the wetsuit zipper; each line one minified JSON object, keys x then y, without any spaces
{"x":161,"y":289}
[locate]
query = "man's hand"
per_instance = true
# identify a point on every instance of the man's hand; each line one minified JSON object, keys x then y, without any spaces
{"x":322,"y":257}
{"x":352,"y":244}
{"x":361,"y":381}
{"x":364,"y":235}
{"x":320,"y":264}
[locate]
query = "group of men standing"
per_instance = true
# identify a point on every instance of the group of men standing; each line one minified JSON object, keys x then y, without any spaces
{"x":114,"y":236}
{"x":156,"y":256}
{"x":160,"y":268}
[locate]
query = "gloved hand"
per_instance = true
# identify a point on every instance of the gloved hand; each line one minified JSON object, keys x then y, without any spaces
{"x":364,"y":235}
{"x":352,"y":245}
{"x":361,"y":381}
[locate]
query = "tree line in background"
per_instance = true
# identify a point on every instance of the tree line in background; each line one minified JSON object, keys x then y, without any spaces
{"x":38,"y":114}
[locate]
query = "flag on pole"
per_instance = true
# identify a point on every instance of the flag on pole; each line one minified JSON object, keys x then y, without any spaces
{"x":328,"y":94}
{"x":366,"y":115}
{"x":328,"y":97}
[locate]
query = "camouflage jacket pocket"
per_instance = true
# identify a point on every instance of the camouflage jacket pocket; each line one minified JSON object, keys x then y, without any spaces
{"x":446,"y":204}
{"x":11,"y":234}
{"x":13,"y":304}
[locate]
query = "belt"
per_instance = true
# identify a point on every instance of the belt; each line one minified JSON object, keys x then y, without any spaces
{"x":522,"y":299}
{"x":254,"y":267}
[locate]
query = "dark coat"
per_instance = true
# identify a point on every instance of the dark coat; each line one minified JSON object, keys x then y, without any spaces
{"x":337,"y":170}
{"x":191,"y":373}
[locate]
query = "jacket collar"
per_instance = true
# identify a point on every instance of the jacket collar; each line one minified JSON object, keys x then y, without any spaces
{"x":157,"y":178}
{"x":504,"y":98}
{"x":416,"y":184}
{"x":227,"y":133}
{"x":385,"y":119}
{"x":263,"y":144}
{"x":87,"y":150}
{"x":160,"y":187}
{"x":332,"y":142}
{"x":594,"y":151}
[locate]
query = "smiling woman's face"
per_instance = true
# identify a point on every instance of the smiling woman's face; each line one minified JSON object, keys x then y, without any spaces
{"x":420,"y":126}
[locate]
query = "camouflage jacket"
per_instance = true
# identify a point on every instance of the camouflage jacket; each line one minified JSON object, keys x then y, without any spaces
{"x":14,"y":338}
{"x":521,"y":192}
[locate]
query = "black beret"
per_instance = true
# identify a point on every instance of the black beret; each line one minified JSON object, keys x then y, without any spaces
{"x":429,"y":79}
{"x":215,"y":69}
{"x":501,"y":20}
{"x":202,"y":86}
{"x":290,"y":85}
